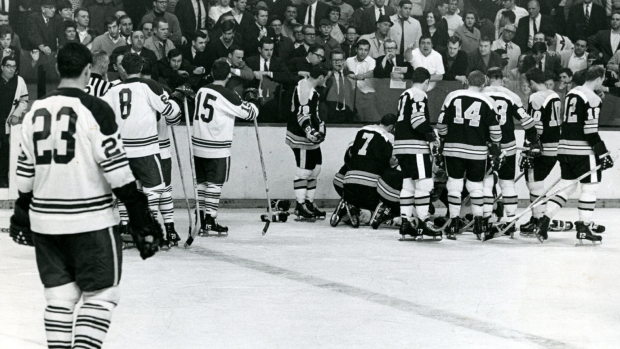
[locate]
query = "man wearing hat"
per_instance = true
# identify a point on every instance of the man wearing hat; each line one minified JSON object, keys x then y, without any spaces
{"x":513,"y":51}
{"x":42,"y":27}
{"x":377,"y":38}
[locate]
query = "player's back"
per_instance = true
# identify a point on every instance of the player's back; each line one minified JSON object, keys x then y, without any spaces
{"x":580,"y":122}
{"x":70,"y":145}
{"x":412,"y":123}
{"x":545,"y":108}
{"x":371,"y":150}
{"x":467,"y":121}
{"x":304,"y":107}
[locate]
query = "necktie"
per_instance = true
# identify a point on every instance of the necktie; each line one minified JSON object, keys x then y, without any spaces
{"x":402,"y":37}
{"x":163,"y":49}
{"x":380,"y":12}
{"x":265,"y":66}
{"x":309,"y":15}
{"x":587,"y":15}
{"x":199,"y":20}
{"x":534,"y":25}
{"x":388,"y":66}
{"x":540,"y":66}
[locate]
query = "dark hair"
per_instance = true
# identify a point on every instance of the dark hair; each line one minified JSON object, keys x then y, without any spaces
{"x":109,"y":20}
{"x":455,"y":39}
{"x":199,"y":34}
{"x":325,"y":22}
{"x":536,"y":75}
{"x":147,"y":67}
{"x":8,"y":58}
{"x":257,"y":10}
{"x":420,"y":75}
{"x":158,"y":20}
{"x":567,"y":71}
{"x":80,"y":9}
{"x":63,"y":4}
{"x":233,"y":48}
{"x":175,"y":52}
{"x":549,"y":75}
{"x":539,"y":47}
{"x":334,"y":8}
{"x":265,"y":40}
{"x":227,"y":26}
{"x":362,"y":42}
{"x":315,"y":48}
{"x":306,"y":26}
{"x":470,"y":12}
{"x":350,"y":27}
{"x":72,"y":59}
{"x":336,"y":52}
{"x":594,"y":72}
{"x":124,"y":17}
{"x":318,"y":70}
{"x":580,"y":77}
{"x":404,"y":2}
{"x":132,"y":63}
{"x":425,"y":36}
{"x":4,"y":13}
{"x":495,"y":74}
{"x":145,"y":23}
{"x":220,"y":70}
{"x":69,"y":24}
{"x":5,"y":29}
{"x":388,"y":119}
{"x":510,"y":15}
{"x":273,"y":19}
{"x":476,"y":78}
{"x":548,"y":31}
{"x":485,"y":38}
{"x":115,"y":54}
{"x":441,"y":3}
{"x":581,"y":38}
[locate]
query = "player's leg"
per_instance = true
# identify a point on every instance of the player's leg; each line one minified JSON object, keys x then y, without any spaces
{"x":316,"y":158}
{"x":148,"y":171}
{"x":474,"y":183}
{"x":217,"y":174}
{"x":535,"y":177}
{"x":388,"y":188}
{"x":166,"y":205}
{"x":201,"y":168}
{"x":407,"y":195}
{"x":300,"y":184}
{"x":487,"y":206}
{"x":455,"y":168}
{"x":338,"y":182}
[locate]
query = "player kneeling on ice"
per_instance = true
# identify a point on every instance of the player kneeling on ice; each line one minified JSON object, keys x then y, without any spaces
{"x":66,"y":177}
{"x":212,"y":136}
{"x":581,"y":150}
{"x":367,"y":158}
{"x":305,"y":131}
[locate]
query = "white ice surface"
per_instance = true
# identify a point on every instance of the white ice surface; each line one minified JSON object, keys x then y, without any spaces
{"x":307,"y":285}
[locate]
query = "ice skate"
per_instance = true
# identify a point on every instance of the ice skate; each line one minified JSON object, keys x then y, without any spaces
{"x":212,"y":228}
{"x":377,"y":215}
{"x":584,"y":233}
{"x":384,"y":216}
{"x":494,"y":229}
{"x":339,"y":212}
{"x":528,"y":228}
{"x":354,"y":215}
{"x":406,"y":228}
{"x":557,"y":225}
{"x":440,"y":221}
{"x":318,"y":214}
{"x":596,"y":228}
{"x":171,"y":235}
{"x":303,"y":213}
{"x":542,"y":228}
{"x":453,"y":228}
{"x":427,"y":228}
{"x":479,"y":228}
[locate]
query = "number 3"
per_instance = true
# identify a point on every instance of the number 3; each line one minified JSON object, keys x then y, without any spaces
{"x":45,"y":157}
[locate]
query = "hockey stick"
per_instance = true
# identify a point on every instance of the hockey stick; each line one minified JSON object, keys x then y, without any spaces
{"x":176,"y":150}
{"x":194,"y":231}
{"x":262,"y":163}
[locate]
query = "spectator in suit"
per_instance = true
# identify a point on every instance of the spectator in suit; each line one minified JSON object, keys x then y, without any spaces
{"x":309,"y":40}
{"x":540,"y":59}
{"x":192,"y":16}
{"x":577,"y":59}
{"x":240,"y":73}
{"x":197,"y":55}
{"x":254,"y":33}
{"x":349,"y":45}
{"x":100,"y":10}
{"x":338,"y":89}
{"x":85,"y":34}
{"x":174,"y":69}
{"x":606,"y":41}
{"x":312,"y":12}
{"x":6,"y":44}
{"x":137,"y":47}
{"x":298,"y":35}
{"x":109,"y":40}
{"x":513,"y":51}
{"x":220,"y":46}
{"x":434,"y":25}
{"x":424,"y":56}
{"x":484,"y":58}
{"x":509,"y":5}
{"x":324,"y":38}
{"x":530,"y":25}
{"x":266,"y":66}
{"x":4,"y":20}
{"x":290,"y":21}
{"x":42,"y":28}
{"x":358,"y":17}
{"x":469,"y":35}
{"x":453,"y":18}
{"x":126,"y":28}
{"x":346,"y":12}
{"x":174,"y":28}
{"x":300,"y":67}
{"x":338,"y":30}
{"x":454,"y":61}
{"x":215,"y":12}
{"x":386,"y":63}
{"x":277,"y":7}
{"x":585,"y":20}
{"x":147,"y":29}
{"x":283,"y":45}
{"x":377,"y":38}
{"x":556,"y":42}
{"x":370,"y":16}
{"x":159,"y":42}
{"x":405,"y":25}
{"x":243,"y":17}
{"x":216,"y":30}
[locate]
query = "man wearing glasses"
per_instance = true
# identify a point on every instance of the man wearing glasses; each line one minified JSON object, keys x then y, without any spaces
{"x":309,"y":40}
{"x":13,"y":102}
{"x":391,"y":59}
{"x":301,"y":66}
{"x":298,"y":36}
{"x":284,"y":44}
{"x":159,"y":10}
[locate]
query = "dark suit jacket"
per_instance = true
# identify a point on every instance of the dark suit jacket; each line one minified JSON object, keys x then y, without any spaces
{"x":247,"y":19}
{"x":203,"y":59}
{"x":300,"y":52}
{"x":281,"y":74}
{"x":250,"y":38}
{"x":40,"y":33}
{"x":218,"y":48}
{"x":552,"y":64}
{"x":601,"y":41}
{"x":284,"y":47}
{"x":577,"y":21}
{"x":299,"y":64}
{"x":475,"y":62}
{"x":523,"y":30}
{"x":368,"y":21}
{"x":170,"y":77}
{"x":439,"y":38}
{"x":277,"y":7}
{"x":187,"y":18}
{"x":384,"y":73}
{"x":322,"y":11}
{"x":459,"y":67}
{"x":145,"y":53}
{"x":349,"y":50}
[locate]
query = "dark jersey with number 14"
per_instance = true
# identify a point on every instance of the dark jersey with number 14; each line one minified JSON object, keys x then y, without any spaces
{"x":580,"y":127}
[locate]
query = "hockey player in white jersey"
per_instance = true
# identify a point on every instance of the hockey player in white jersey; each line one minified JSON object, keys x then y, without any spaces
{"x":137,"y":104}
{"x":212,"y":135}
{"x":72,"y":160}
{"x":98,"y":83}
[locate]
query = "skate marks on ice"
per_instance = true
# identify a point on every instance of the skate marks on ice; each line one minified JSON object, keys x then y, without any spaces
{"x":487,"y":328}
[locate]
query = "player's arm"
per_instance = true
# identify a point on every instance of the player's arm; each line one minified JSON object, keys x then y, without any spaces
{"x":159,"y":101}
{"x":495,"y":132}
{"x":590,"y":132}
{"x":526,"y":121}
{"x":303,"y":119}
{"x":20,"y":221}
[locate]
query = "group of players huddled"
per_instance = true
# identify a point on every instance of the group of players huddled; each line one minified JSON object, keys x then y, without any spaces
{"x":393,"y":171}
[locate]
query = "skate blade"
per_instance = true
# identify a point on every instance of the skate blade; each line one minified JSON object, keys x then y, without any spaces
{"x":592,"y":243}
{"x":311,"y":220}
{"x":411,"y":238}
{"x":214,"y":235}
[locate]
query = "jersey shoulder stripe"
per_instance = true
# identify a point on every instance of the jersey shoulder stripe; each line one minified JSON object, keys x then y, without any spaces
{"x":587,"y":95}
{"x":466,"y":93}
{"x":416,"y":95}
{"x":381,"y":131}
{"x":541,"y":99}
{"x":229,"y":95}
{"x":500,"y":91}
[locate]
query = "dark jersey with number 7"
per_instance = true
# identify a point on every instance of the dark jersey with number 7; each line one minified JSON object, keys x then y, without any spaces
{"x":468,"y":120}
{"x":370,"y":152}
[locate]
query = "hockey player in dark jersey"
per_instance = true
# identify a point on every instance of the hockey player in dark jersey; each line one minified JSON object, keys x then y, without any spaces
{"x":304,"y":133}
{"x":468,"y":120}
{"x":72,"y":160}
{"x":580,"y":150}
{"x":412,"y":136}
{"x":509,"y":107}
{"x":545,"y":108}
{"x":367,"y":158}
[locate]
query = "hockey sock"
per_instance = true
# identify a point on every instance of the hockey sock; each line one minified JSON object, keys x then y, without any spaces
{"x":487,"y":207}
{"x":587,"y":201}
{"x":509,"y":194}
{"x":423,"y":188}
{"x":301,"y":186}
{"x":212,"y":198}
{"x":311,"y":189}
{"x":152,"y":195}
{"x":58,"y":315}
{"x":537,"y":189}
{"x":407,"y":198}
{"x":202,"y":193}
{"x":476,"y":193}
{"x":166,"y":206}
{"x":93,"y":319}
{"x":455,"y":187}
{"x":558,"y":201}
{"x":122,"y":211}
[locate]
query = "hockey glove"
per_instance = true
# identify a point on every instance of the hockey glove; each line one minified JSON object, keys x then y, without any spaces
{"x":19,"y":229}
{"x":250,"y":95}
{"x":526,"y":161}
{"x":495,"y":153}
{"x":601,"y":151}
{"x":536,"y":148}
{"x":313,"y":135}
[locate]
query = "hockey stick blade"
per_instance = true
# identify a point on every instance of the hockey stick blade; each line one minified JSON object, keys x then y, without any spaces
{"x":266,"y":227}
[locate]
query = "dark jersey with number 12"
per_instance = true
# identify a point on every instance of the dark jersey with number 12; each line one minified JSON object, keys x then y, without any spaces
{"x":580,"y":127}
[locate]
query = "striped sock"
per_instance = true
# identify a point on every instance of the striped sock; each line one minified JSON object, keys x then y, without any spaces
{"x":92,"y":324}
{"x":202,"y":193}
{"x":153,"y":195}
{"x":311,"y":189}
{"x":166,"y":206}
{"x":122,"y":211}
{"x":59,"y":324}
{"x":212,"y":198}
{"x":300,"y":185}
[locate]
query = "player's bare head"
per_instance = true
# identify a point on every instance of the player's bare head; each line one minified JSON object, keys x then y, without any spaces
{"x":595,"y":75}
{"x":132,"y":63}
{"x":579,"y":78}
{"x":73,"y":61}
{"x":147,"y":68}
{"x":100,"y":62}
{"x":319,"y":71}
{"x":421,"y":76}
{"x":388,"y":120}
{"x":495,"y":74}
{"x":220,"y":70}
{"x":536,"y":75}
{"x":477,"y":79}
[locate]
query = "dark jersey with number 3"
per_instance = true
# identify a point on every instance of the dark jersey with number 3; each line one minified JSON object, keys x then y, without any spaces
{"x":72,"y":156}
{"x":545,"y":108}
{"x":580,"y":123}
